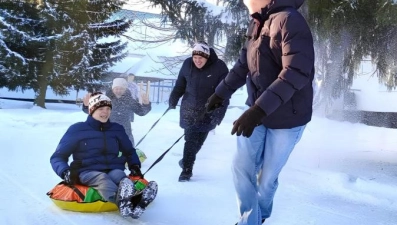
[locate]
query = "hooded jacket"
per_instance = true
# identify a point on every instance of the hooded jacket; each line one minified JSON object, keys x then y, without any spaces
{"x":277,"y":65}
{"x":196,"y":86}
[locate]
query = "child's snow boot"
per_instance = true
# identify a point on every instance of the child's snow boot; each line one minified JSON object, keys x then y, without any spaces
{"x":148,"y":195}
{"x":124,"y":194}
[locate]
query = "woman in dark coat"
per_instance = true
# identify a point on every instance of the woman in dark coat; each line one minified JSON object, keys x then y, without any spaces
{"x":197,"y":79}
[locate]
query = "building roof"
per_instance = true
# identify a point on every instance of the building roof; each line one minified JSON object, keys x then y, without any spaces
{"x":154,"y":67}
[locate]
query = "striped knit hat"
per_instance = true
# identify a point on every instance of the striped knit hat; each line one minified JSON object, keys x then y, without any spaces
{"x":98,"y":100}
{"x":201,"y":49}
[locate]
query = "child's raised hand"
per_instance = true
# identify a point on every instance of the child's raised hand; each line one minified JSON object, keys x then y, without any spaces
{"x":86,"y":99}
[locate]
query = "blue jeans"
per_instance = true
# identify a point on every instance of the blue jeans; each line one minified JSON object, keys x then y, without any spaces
{"x":256,"y":167}
{"x":105,"y":183}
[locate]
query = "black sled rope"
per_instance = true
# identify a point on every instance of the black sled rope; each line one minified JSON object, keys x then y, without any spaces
{"x":162,"y":155}
{"x":155,"y":123}
{"x":166,"y":151}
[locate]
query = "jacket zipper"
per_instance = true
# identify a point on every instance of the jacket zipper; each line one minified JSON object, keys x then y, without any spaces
{"x":105,"y":144}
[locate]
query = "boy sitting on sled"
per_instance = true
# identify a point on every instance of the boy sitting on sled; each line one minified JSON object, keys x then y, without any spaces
{"x":95,"y":145}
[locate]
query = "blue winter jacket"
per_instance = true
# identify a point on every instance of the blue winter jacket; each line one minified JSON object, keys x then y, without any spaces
{"x":97,"y":145}
{"x":277,"y":65}
{"x":196,"y":86}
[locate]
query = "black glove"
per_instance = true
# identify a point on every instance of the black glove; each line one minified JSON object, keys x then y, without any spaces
{"x":76,"y":165}
{"x":136,"y":171}
{"x":213,"y":102}
{"x":66,"y":177}
{"x":71,"y":176}
{"x":246,"y":123}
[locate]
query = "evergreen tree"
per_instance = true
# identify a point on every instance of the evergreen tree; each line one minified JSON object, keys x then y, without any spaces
{"x":190,"y":18}
{"x":21,"y":44}
{"x":345,"y":33}
{"x":235,"y":29}
{"x":196,"y":21}
{"x":72,"y":44}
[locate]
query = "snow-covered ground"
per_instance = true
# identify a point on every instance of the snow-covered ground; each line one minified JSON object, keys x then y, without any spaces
{"x":340,"y":173}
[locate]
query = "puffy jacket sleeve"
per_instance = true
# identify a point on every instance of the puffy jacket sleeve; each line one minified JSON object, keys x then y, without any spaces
{"x":126,"y":148}
{"x":180,"y":85}
{"x":297,"y":63}
{"x":219,"y":113}
{"x":140,"y":109}
{"x":66,"y":146}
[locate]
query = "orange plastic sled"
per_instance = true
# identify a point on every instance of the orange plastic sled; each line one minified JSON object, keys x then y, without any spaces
{"x":80,"y":198}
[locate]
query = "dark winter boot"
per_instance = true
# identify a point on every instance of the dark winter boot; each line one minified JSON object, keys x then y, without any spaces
{"x":148,"y":195}
{"x":185,"y":175}
{"x":124,"y":194}
{"x":181,"y":163}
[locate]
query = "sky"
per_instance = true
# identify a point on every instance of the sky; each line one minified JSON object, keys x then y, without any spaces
{"x":339,"y":173}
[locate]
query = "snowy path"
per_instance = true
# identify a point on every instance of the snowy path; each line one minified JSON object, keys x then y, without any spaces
{"x":339,"y":174}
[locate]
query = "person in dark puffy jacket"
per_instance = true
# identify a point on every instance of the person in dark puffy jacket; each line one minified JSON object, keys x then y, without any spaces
{"x":94,"y":146}
{"x":197,"y":79}
{"x":277,"y":66}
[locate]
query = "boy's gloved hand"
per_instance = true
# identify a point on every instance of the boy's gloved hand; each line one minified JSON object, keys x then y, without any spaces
{"x":67,"y":177}
{"x":71,"y":176}
{"x":74,"y":171}
{"x":135,"y":171}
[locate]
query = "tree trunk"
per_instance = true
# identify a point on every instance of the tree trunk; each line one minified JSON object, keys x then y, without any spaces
{"x":41,"y":94}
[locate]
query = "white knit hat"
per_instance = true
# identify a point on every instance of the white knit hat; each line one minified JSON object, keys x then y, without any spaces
{"x":201,"y":49}
{"x":98,"y":100}
{"x":120,"y":82}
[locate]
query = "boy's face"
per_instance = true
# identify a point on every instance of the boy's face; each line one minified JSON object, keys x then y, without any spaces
{"x":102,"y":114}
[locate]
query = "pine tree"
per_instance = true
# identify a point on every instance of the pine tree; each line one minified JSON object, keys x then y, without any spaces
{"x":190,"y":18}
{"x":21,"y":44}
{"x":73,"y":44}
{"x":195,"y":21}
{"x":236,"y":29}
{"x":345,"y":33}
